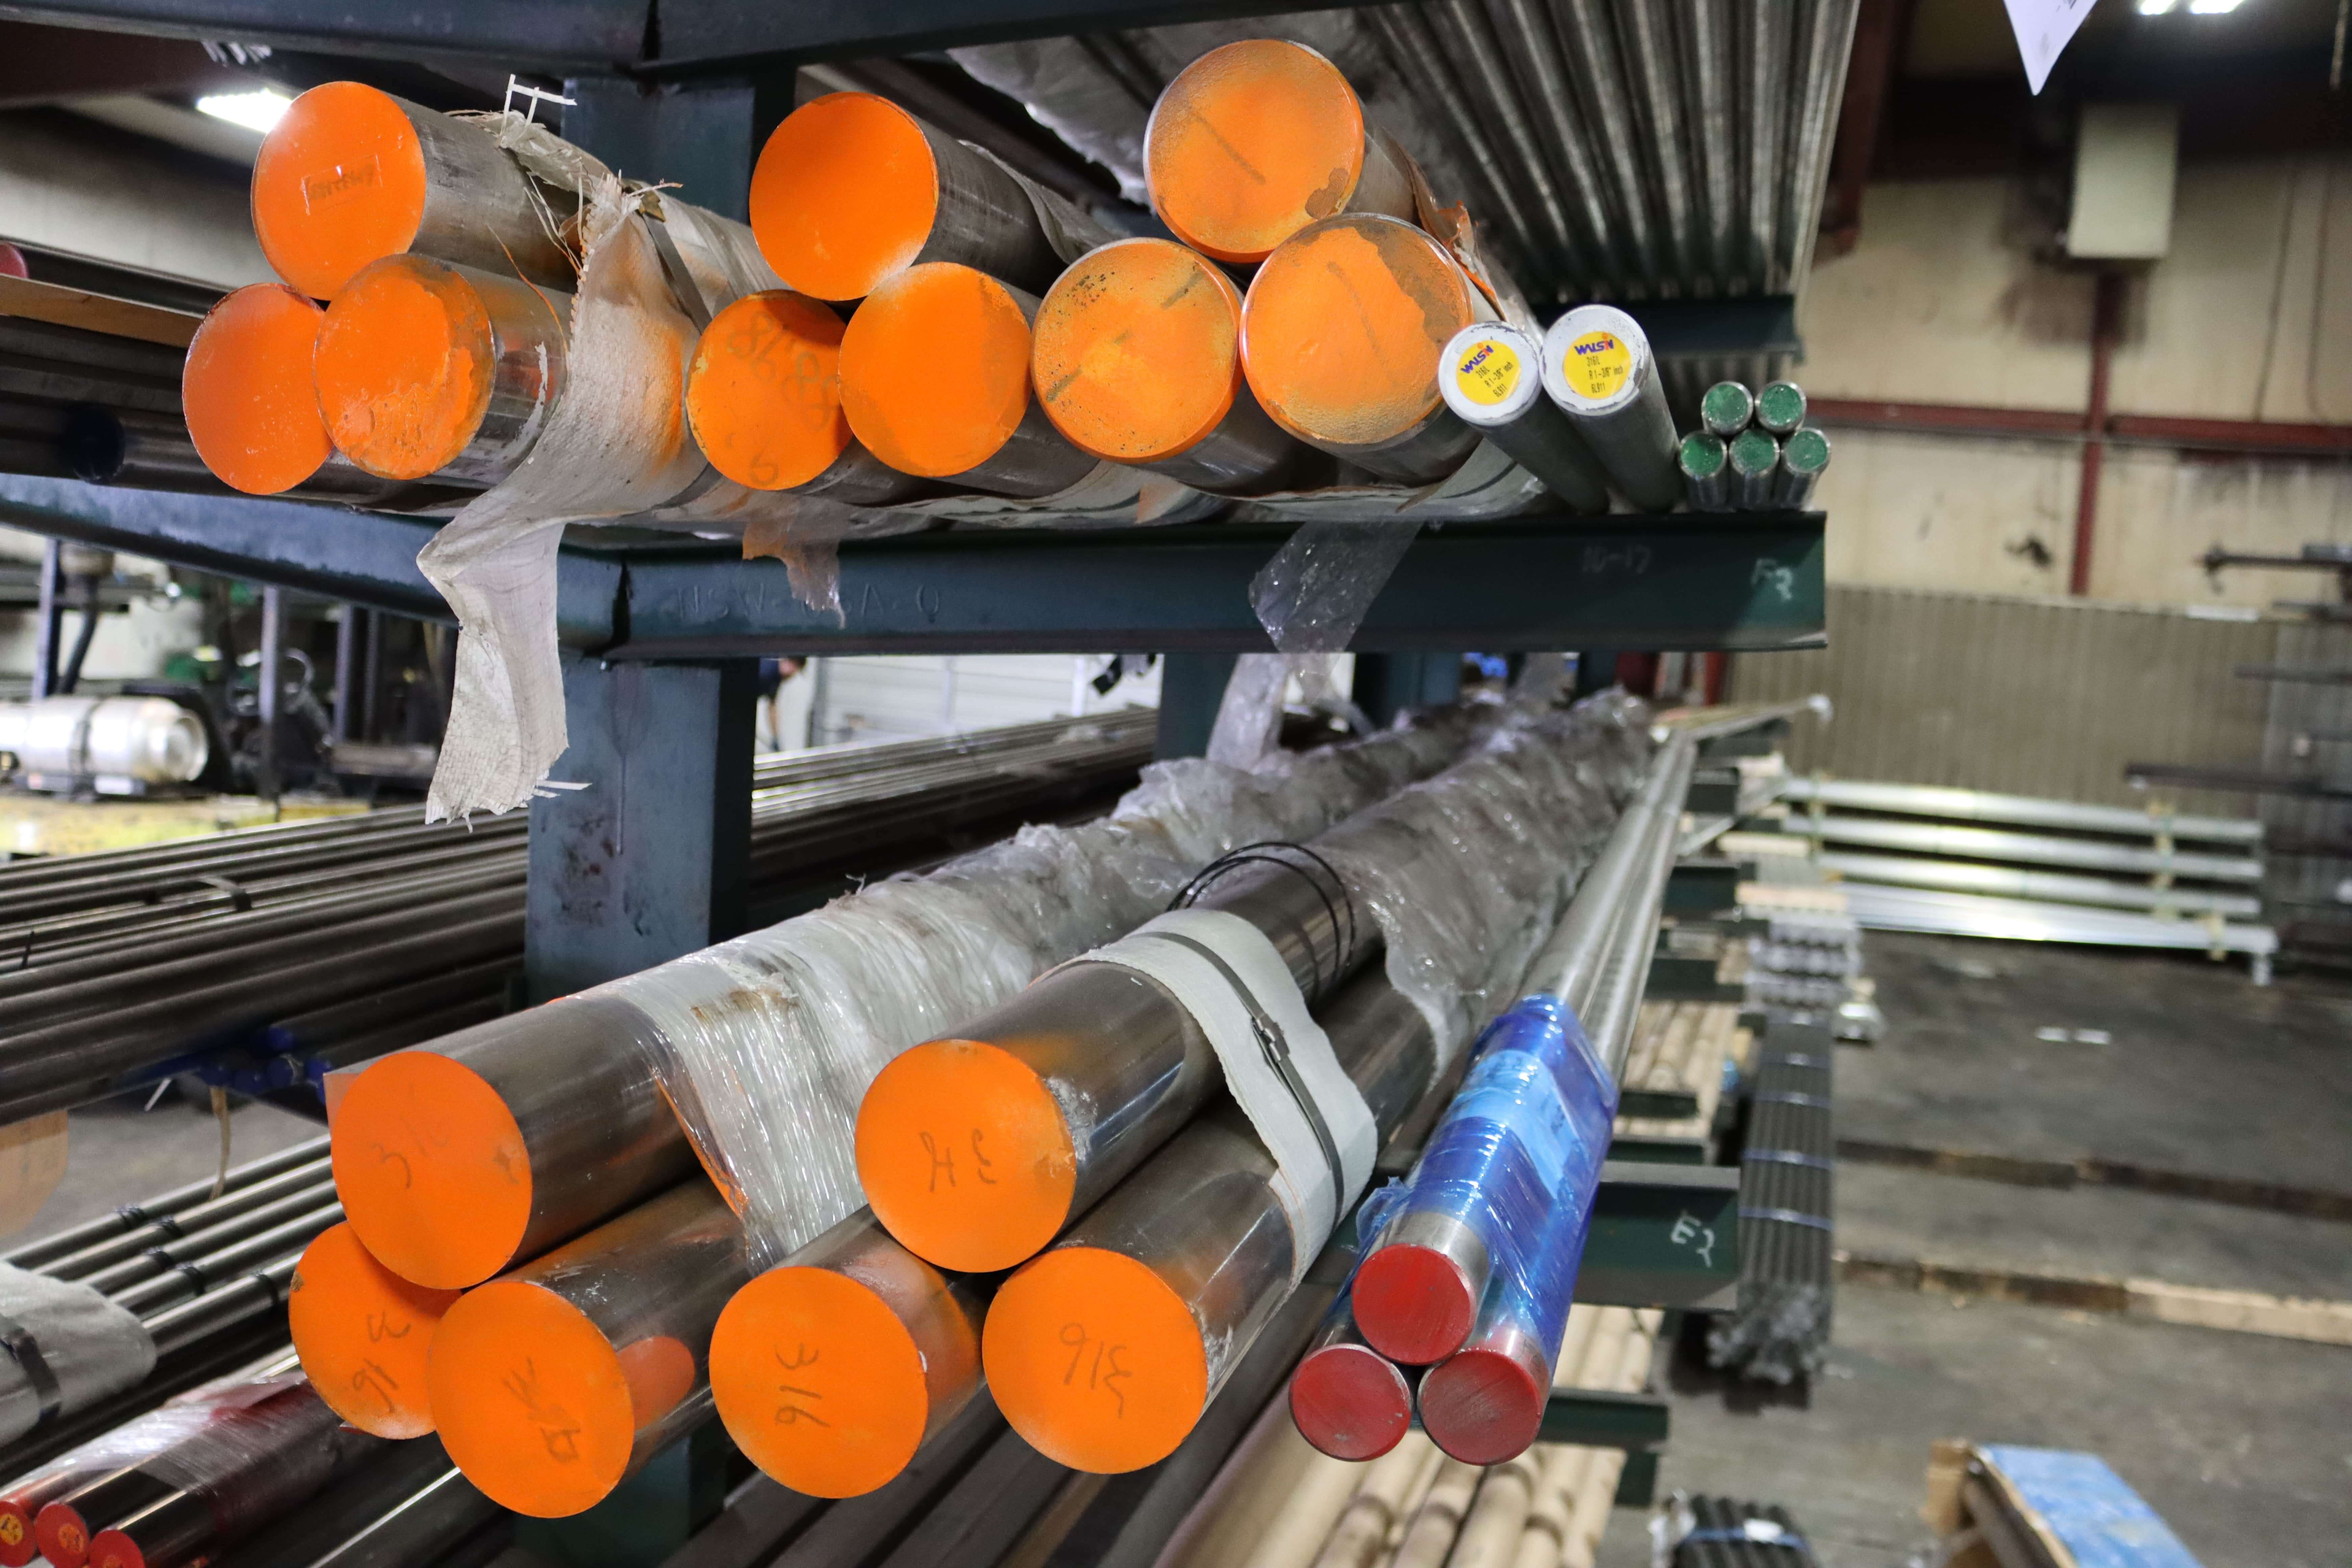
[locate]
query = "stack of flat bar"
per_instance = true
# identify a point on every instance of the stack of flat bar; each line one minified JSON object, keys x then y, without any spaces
{"x":1973,"y":863}
{"x":1780,"y":1329}
{"x":266,"y":958}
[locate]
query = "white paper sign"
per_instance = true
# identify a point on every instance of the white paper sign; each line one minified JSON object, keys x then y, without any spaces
{"x":2042,"y":29}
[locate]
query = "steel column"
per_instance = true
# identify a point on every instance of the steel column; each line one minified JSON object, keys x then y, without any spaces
{"x":649,"y":861}
{"x":1388,"y":683}
{"x":48,"y":619}
{"x":347,"y":673}
{"x":1191,"y":684}
{"x":700,"y":139}
{"x":268,"y":677}
{"x":2106,"y":326}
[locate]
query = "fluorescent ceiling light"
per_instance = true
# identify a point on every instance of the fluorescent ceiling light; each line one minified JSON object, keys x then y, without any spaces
{"x":2156,"y":8}
{"x":2211,"y":7}
{"x":256,"y":110}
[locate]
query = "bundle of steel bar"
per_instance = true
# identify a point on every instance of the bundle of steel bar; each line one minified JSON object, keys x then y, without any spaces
{"x":449,"y":268}
{"x":259,"y":1450}
{"x":134,"y":1307}
{"x":1975,"y":863}
{"x":567,"y":1096}
{"x":1608,"y":153}
{"x":1780,"y":1329}
{"x":318,"y":945}
{"x":1174,"y":1272}
{"x":1280,"y":1503}
{"x":1720,"y":1533}
{"x":1502,"y":1194}
{"x":226,"y":1437}
{"x":1755,"y":452}
{"x":576,"y":1100}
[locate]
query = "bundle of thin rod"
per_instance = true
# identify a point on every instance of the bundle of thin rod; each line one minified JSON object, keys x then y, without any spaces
{"x":555,"y":1159}
{"x":205,"y":1276}
{"x":319,"y":944}
{"x":1780,"y":1330}
{"x":225,"y":1442}
{"x":1722,"y":1532}
{"x":1754,"y":454}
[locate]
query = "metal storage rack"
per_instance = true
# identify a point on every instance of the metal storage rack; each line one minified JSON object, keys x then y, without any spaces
{"x":660,"y":633}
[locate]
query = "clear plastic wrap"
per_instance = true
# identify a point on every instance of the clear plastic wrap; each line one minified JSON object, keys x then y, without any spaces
{"x":63,"y":1347}
{"x":169,"y":1424}
{"x":767,"y":1043}
{"x":1467,"y":871}
{"x":1515,"y":1160}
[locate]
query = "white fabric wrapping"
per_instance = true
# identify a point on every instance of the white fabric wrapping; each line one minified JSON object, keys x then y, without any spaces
{"x":614,"y":444}
{"x":63,"y":1348}
{"x":1313,"y":1195}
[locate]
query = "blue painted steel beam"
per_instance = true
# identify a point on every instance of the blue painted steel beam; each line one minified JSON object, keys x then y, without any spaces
{"x":1697,"y":582}
{"x":1739,"y":582}
{"x":361,"y":558}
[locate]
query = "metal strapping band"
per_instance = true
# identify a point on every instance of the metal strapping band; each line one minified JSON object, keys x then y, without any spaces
{"x":1786,"y":1216}
{"x":1795,"y":1059}
{"x":195,"y":1275}
{"x":238,"y":894}
{"x":1790,"y":1157}
{"x":25,"y":1349}
{"x":1788,"y":1097}
{"x":1271,"y":1041}
{"x":680,"y":278}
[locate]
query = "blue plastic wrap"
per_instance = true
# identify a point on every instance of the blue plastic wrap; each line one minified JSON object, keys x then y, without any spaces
{"x":1517,"y":1159}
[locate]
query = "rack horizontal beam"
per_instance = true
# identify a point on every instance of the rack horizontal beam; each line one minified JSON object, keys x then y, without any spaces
{"x":1681,"y":581}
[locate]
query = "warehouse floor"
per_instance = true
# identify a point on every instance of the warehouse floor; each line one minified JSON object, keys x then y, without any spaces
{"x":118,"y":1152}
{"x":2240,"y":1440}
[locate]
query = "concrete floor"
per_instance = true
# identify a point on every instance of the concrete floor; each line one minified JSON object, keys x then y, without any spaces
{"x":117,"y":1153}
{"x":2243,"y":1443}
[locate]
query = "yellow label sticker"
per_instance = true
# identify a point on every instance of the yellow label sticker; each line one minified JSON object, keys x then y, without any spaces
{"x":1596,"y":365}
{"x":1489,"y":372}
